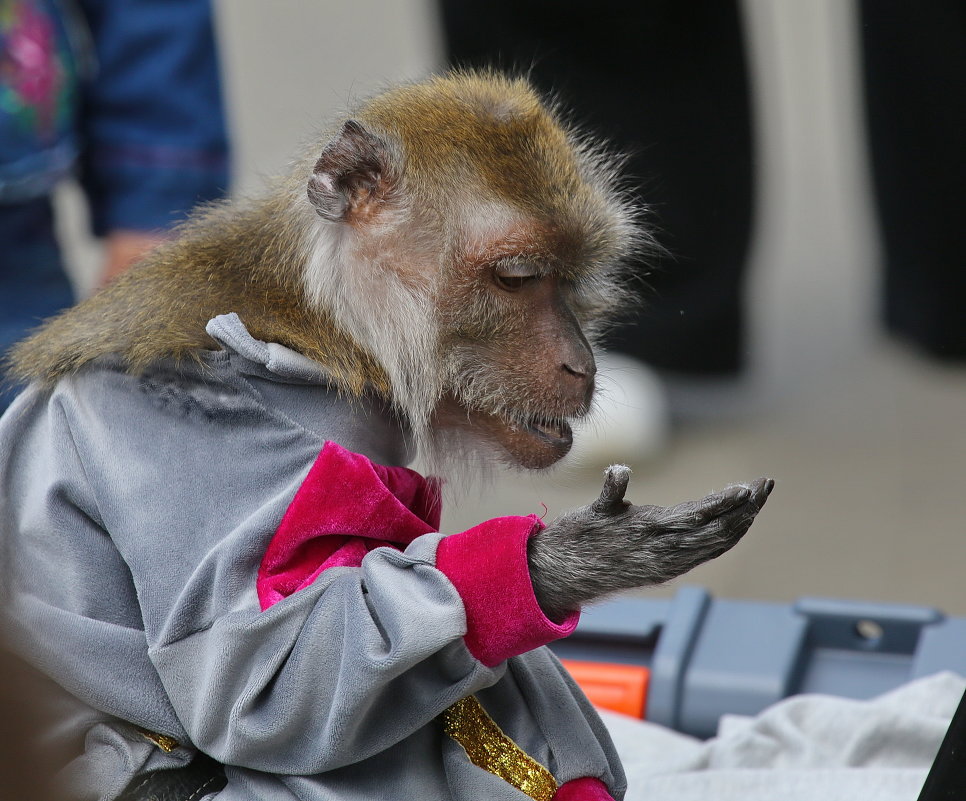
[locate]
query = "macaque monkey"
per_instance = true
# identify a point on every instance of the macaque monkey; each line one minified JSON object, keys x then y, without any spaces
{"x":432,"y":277}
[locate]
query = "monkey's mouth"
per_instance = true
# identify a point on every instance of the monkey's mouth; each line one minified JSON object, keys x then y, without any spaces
{"x":556,"y":433}
{"x":533,"y":441}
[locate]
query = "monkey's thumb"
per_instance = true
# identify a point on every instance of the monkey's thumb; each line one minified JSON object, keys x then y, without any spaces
{"x":611,"y":497}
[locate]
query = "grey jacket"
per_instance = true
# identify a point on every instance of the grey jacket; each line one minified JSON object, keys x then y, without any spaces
{"x":136,"y":515}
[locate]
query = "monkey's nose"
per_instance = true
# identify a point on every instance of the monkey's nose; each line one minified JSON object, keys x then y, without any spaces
{"x":582,"y":374}
{"x":580,"y":371}
{"x":582,"y":366}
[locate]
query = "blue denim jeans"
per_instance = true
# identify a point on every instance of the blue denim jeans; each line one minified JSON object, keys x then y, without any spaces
{"x":33,"y":284}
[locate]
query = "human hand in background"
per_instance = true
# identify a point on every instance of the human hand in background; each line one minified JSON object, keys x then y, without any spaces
{"x":125,"y":248}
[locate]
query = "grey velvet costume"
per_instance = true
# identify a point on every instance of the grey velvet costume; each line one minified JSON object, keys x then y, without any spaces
{"x":135,"y":513}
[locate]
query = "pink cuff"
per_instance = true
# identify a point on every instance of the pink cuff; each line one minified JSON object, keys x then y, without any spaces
{"x":488,"y":566}
{"x":586,"y":789}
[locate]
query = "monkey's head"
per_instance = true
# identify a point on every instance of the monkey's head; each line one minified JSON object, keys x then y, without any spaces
{"x":473,"y":245}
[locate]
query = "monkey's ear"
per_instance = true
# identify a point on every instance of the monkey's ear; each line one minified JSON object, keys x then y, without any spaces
{"x":352,"y":176}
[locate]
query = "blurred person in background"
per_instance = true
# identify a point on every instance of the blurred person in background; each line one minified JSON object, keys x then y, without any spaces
{"x":126,"y":97}
{"x":914,"y":69}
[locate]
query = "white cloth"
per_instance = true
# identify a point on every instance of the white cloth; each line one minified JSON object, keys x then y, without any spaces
{"x":805,"y":748}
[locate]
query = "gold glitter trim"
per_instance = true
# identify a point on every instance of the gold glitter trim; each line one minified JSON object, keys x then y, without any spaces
{"x":162,"y":741}
{"x":489,"y":748}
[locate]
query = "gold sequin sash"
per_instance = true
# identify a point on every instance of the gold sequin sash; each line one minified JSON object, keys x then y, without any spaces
{"x":485,"y":744}
{"x":489,"y":748}
{"x":162,"y":741}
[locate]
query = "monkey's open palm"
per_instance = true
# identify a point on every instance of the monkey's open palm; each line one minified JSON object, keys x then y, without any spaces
{"x":613,"y":545}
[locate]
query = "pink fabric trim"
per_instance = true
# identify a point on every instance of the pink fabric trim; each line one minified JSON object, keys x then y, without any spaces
{"x":586,"y":789}
{"x":345,"y":507}
{"x":488,"y":566}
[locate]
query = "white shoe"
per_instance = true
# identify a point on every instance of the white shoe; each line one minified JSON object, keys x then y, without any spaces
{"x":630,"y":422}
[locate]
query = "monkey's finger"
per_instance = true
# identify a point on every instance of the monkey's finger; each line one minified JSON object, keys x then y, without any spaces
{"x":760,"y":490}
{"x":694,"y":514}
{"x":733,"y":524}
{"x":729,"y":501}
{"x":611,"y":497}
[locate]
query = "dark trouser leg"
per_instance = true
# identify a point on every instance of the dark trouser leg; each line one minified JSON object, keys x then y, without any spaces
{"x":33,"y":285}
{"x":666,"y":81}
{"x":914,"y":58}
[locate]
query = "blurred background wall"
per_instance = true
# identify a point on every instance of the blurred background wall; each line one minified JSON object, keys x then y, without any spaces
{"x":866,"y":440}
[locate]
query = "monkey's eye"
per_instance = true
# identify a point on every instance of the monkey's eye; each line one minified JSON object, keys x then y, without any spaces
{"x":511,"y":283}
{"x":514,"y":276}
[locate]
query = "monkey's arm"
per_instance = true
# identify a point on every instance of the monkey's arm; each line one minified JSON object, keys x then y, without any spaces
{"x":612,"y":545}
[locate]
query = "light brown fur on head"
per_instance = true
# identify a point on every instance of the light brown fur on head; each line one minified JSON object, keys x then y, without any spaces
{"x":439,"y":249}
{"x":493,"y":136}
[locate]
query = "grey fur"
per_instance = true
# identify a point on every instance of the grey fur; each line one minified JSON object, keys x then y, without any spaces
{"x":612,"y":545}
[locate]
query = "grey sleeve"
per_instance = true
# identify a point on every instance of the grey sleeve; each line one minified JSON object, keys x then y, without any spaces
{"x":67,"y":595}
{"x":337,"y":672}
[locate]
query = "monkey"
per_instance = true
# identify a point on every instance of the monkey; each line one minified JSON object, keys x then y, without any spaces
{"x":213,"y":544}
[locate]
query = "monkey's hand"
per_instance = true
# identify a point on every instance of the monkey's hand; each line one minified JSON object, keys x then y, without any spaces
{"x":612,"y":545}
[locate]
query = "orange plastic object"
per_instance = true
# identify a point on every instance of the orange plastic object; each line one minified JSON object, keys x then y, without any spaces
{"x":619,"y":688}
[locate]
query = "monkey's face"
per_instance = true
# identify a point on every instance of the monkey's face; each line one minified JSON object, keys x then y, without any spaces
{"x":477,"y":240}
{"x":518,"y":366}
